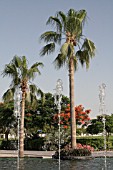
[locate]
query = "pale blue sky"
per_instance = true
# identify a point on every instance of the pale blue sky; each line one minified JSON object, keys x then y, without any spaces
{"x":23,"y":21}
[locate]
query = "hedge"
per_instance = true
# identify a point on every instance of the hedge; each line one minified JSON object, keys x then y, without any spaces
{"x":96,"y":141}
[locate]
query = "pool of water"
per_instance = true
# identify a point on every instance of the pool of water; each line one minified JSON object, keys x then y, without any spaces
{"x":51,"y":164}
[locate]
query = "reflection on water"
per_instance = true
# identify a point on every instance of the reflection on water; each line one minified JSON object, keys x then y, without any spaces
{"x":50,"y":164}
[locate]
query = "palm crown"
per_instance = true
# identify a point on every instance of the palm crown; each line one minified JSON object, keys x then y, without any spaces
{"x":18,"y":70}
{"x":70,"y":28}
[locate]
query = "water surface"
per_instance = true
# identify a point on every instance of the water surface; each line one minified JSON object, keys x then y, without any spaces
{"x":51,"y":164}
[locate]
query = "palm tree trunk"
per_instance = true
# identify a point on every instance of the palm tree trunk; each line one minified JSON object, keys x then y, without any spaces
{"x":72,"y":104}
{"x":21,"y":151}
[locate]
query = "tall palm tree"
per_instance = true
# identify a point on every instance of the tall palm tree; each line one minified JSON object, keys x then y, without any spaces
{"x":69,"y":27}
{"x":21,"y":75}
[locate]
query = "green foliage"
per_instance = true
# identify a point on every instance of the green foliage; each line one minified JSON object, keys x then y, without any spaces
{"x":6,"y":118}
{"x":96,"y":141}
{"x":95,"y":127}
{"x":29,"y":144}
{"x":109,"y":123}
{"x":34,"y":144}
{"x":41,"y":118}
{"x":9,"y":145}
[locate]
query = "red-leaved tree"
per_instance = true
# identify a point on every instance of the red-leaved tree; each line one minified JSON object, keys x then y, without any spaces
{"x":82,"y":116}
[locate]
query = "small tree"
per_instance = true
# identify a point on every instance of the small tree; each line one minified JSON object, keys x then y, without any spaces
{"x":82,"y":116}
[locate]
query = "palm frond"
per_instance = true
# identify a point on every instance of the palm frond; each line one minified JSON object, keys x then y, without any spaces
{"x":62,"y":18}
{"x":60,"y":61}
{"x":89,"y":46}
{"x":55,"y":21}
{"x":33,"y":70}
{"x":33,"y":93}
{"x":33,"y":88}
{"x":71,"y":13}
{"x":67,"y":49}
{"x":8,"y":70}
{"x":51,"y":36}
{"x":82,"y":15}
{"x":11,"y":70}
{"x":71,"y":51}
{"x":72,"y":25}
{"x":12,"y":67}
{"x":47,"y":49}
{"x":24,"y":72}
{"x":84,"y":57}
{"x":37,"y":64}
{"x":8,"y":95}
{"x":64,"y":49}
{"x":16,"y":61}
{"x":32,"y":73}
{"x":24,"y":62}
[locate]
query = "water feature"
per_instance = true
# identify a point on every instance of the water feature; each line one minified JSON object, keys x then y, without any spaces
{"x":103,"y":113}
{"x":17,"y":110}
{"x":58,"y":98}
{"x":51,"y":164}
{"x":104,"y":163}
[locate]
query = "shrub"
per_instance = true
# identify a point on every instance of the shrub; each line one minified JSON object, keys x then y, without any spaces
{"x":88,"y":147}
{"x":34,"y":144}
{"x":8,"y":145}
{"x":72,"y":153}
{"x":96,"y":142}
{"x":69,"y":153}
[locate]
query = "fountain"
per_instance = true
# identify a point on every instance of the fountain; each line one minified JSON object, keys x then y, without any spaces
{"x":29,"y":163}
{"x":102,"y":111}
{"x":58,"y":97}
{"x":17,"y":110}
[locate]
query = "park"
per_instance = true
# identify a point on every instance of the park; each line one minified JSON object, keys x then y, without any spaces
{"x":45,"y":127}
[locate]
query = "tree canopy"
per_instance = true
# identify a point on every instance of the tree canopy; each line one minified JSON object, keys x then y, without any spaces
{"x":82,"y":116}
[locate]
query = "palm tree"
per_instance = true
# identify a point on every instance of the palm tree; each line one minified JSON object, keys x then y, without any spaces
{"x":18,"y":70}
{"x":69,"y":27}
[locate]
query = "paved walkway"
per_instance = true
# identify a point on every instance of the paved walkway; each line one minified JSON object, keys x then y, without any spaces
{"x":38,"y":154}
{"x":102,"y":154}
{"x":47,"y":154}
